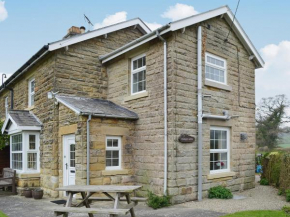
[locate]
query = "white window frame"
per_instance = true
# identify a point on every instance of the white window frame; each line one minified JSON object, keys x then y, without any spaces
{"x":119,"y":148}
{"x":25,"y":151}
{"x":136,"y":71}
{"x":216,"y":67}
{"x":222,"y":150}
{"x":6,"y":106}
{"x":31,"y":93}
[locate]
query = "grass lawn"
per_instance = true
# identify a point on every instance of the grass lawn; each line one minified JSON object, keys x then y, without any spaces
{"x":2,"y":214}
{"x":258,"y":213}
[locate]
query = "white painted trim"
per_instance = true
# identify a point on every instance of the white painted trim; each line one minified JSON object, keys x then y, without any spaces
{"x":223,"y":150}
{"x":99,"y":32}
{"x":179,"y":24}
{"x":119,"y":148}
{"x":216,"y":67}
{"x":25,"y":151}
{"x":77,"y":111}
{"x":136,"y":71}
{"x":31,"y":93}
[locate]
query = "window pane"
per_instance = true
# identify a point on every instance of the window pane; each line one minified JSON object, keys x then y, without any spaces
{"x":140,"y":86}
{"x":17,"y":142}
{"x":140,"y":63}
{"x":108,"y":163}
{"x":16,"y":161}
{"x":224,"y":144}
{"x":218,"y":134}
{"x":135,"y":88}
{"x":212,"y":144}
{"x":72,"y":155}
{"x":108,"y":154}
{"x":32,"y":86}
{"x":115,"y":143}
{"x":115,"y":162}
{"x":135,"y":64}
{"x":115,"y":154}
{"x":109,"y":142}
{"x":32,"y":161}
{"x":224,"y":156}
{"x":32,"y":142}
{"x":32,"y":100}
{"x":212,"y":134}
{"x":141,"y":76}
{"x":144,"y":61}
{"x":135,"y":77}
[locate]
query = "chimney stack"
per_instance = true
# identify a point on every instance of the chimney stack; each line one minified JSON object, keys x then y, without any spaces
{"x":72,"y":31}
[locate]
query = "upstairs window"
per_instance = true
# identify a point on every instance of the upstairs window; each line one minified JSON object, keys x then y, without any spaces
{"x":138,"y":78}
{"x":219,"y":149}
{"x":113,"y":153}
{"x":215,"y":68}
{"x":31,"y":92}
{"x":6,"y":106}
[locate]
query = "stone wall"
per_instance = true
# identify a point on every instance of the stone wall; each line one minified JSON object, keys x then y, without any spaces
{"x":182,"y":183}
{"x":182,"y":111}
{"x":78,"y":72}
{"x":70,"y":123}
{"x":149,"y":131}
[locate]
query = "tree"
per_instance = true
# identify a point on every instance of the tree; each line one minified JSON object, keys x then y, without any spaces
{"x":4,"y":138}
{"x":270,"y":116}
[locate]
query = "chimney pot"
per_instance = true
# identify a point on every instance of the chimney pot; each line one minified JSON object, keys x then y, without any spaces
{"x":83,"y":29}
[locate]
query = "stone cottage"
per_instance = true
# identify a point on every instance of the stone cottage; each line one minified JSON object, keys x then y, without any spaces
{"x":172,"y":110}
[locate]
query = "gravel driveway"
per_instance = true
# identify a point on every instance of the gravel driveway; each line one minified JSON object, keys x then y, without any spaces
{"x":259,"y":198}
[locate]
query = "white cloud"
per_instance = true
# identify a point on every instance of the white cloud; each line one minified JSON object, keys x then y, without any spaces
{"x":153,"y":26}
{"x":179,"y":11}
{"x":112,"y":19}
{"x":273,"y":79}
{"x":3,"y":11}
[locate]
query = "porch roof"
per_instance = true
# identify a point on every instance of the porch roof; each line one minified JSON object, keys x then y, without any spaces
{"x":96,"y":107}
{"x":21,"y":120}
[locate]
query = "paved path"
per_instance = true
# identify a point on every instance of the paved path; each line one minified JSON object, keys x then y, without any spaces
{"x":16,"y":206}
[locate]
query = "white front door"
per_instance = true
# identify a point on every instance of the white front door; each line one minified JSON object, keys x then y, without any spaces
{"x":69,"y":156}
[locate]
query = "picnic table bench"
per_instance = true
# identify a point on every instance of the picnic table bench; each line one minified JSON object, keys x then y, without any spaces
{"x":8,"y":178}
{"x":87,"y":191}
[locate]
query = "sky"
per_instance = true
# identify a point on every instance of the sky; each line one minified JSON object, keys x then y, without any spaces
{"x":25,"y":26}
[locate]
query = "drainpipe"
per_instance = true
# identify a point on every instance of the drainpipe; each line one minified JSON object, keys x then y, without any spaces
{"x":165,"y":110}
{"x":199,"y":109}
{"x":88,"y":149}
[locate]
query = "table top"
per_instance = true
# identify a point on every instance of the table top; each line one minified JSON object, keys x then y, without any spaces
{"x":99,"y":188}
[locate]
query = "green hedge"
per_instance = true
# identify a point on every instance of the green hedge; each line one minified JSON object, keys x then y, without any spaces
{"x":276,"y":169}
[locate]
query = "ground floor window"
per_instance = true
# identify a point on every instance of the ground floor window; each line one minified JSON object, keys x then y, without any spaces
{"x":25,"y":152}
{"x":219,"y":149}
{"x":113,"y":152}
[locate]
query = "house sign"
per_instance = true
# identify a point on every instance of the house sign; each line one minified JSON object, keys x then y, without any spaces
{"x":184,"y":138}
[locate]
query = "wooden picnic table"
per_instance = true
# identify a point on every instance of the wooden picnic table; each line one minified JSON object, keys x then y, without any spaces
{"x":87,"y":191}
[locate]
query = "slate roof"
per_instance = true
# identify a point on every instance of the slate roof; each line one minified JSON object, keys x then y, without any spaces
{"x":24,"y":118}
{"x":96,"y":107}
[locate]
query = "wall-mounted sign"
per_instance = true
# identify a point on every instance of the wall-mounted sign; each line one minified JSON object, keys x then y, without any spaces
{"x":184,"y":138}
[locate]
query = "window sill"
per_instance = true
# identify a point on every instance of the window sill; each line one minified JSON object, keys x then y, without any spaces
{"x":114,"y":172}
{"x":28,"y":175}
{"x":217,"y":85}
{"x":221,"y":175}
{"x":136,"y":96}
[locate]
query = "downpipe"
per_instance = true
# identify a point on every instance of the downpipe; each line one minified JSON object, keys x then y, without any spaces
{"x":199,"y":107}
{"x":165,"y":110}
{"x":88,"y":148}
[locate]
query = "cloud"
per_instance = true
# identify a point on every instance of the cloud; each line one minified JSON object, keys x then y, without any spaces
{"x":272,"y":79}
{"x":112,"y":19}
{"x":179,"y":11}
{"x":153,"y":25}
{"x":3,"y":11}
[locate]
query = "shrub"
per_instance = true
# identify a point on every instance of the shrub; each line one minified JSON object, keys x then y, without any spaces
{"x":264,"y":182}
{"x":286,"y":209}
{"x":287,"y":192}
{"x":280,"y":192}
{"x":157,"y":202}
{"x":219,"y":192}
